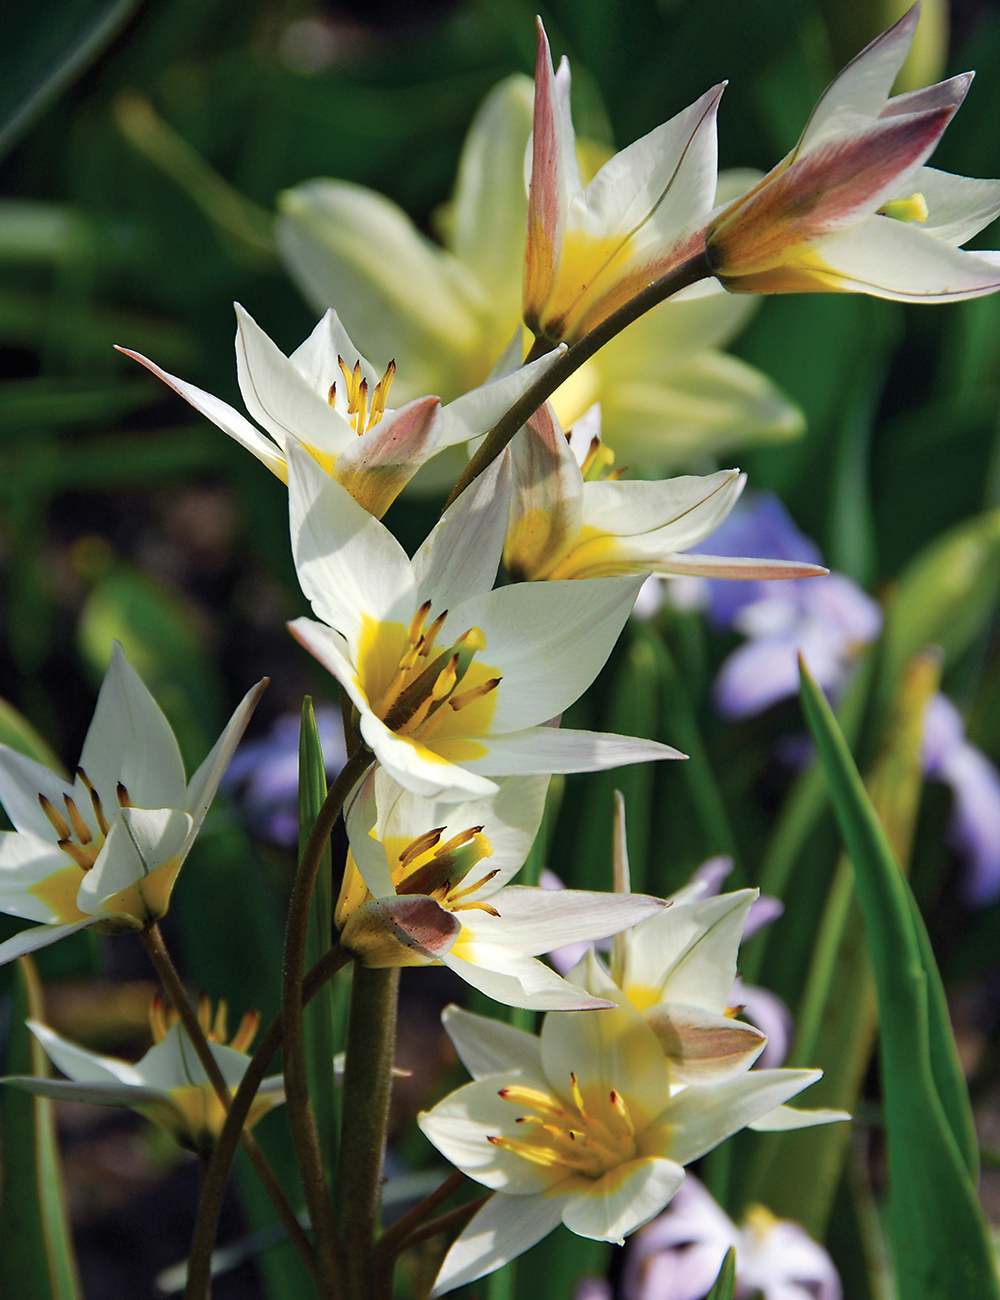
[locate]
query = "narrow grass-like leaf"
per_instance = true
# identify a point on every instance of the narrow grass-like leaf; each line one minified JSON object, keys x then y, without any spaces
{"x":724,"y":1287}
{"x":318,"y":1015}
{"x":36,"y":1247}
{"x":940,"y":1240}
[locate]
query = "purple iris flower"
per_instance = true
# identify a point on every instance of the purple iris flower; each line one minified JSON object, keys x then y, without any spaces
{"x":264,"y":774}
{"x":679,"y":1254}
{"x":827,"y":620}
{"x":974,"y":829}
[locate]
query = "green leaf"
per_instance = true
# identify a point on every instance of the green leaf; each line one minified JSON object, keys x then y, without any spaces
{"x":724,"y":1287}
{"x":17,"y":732}
{"x":940,"y":1240}
{"x":45,"y":48}
{"x":318,"y":1019}
{"x":36,"y":1246}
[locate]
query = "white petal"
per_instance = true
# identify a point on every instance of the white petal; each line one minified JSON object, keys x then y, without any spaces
{"x":203,"y":785}
{"x":486,"y":1046}
{"x":668,"y":176}
{"x":477,"y":411}
{"x":80,"y":1065}
{"x":679,"y":511}
{"x":547,"y":504}
{"x":491,"y":205}
{"x":318,"y":358}
{"x":140,"y":840}
{"x":741,"y":568}
{"x":418,"y":769}
{"x":377,"y":466}
{"x":688,"y":952}
{"x":130,"y":741}
{"x":702,"y":1117}
{"x":25,"y":860}
{"x":349,"y":565}
{"x":784,"y":1118}
{"x":615,"y":1048}
{"x":534,"y":920}
{"x":504,"y":1228}
{"x":94,"y":1094}
{"x":896,"y":259}
{"x":174,"y":1063}
{"x":369,"y":854}
{"x":712,"y":402}
{"x":460,"y":1127}
{"x":862,"y":88}
{"x":278,"y":397}
{"x":221,"y":414}
{"x":556,"y":749}
{"x":401,"y":295}
{"x":703,"y":1048}
{"x":460,"y":556}
{"x":613,"y":1215}
{"x":548,"y":640}
{"x":958,"y":206}
{"x":38,"y":936}
{"x":22,"y":780}
{"x":514,"y":979}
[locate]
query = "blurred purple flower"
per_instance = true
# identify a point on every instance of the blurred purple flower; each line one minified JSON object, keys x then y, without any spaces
{"x":974,"y":828}
{"x":825,"y":619}
{"x":678,"y":1255}
{"x":264,"y":774}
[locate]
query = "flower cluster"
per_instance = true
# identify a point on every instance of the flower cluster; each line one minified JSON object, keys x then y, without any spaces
{"x":454,"y":665}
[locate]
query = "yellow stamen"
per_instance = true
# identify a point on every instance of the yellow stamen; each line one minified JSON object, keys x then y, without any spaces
{"x":446,"y":682}
{"x":220,"y":1028}
{"x":420,"y":845}
{"x":463,"y":837}
{"x":95,"y":801}
{"x":331,"y":396}
{"x":532,"y":1098}
{"x":474,"y":907}
{"x":123,"y":800}
{"x":205,"y":1014}
{"x":59,"y":823}
{"x":460,"y":701}
{"x":80,"y":827}
{"x":80,"y":856}
{"x":381,"y":393}
{"x":456,"y":896}
{"x":246,"y":1033}
{"x":430,"y":636}
{"x":912,"y":209}
{"x":159,"y":1022}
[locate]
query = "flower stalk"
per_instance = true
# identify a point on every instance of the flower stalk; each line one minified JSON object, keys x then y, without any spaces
{"x":301,"y":1118}
{"x":371,"y":1033}
{"x":686,"y":273}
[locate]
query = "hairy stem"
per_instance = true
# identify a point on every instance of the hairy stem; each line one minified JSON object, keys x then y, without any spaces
{"x":371,"y":1033}
{"x":162,"y":961}
{"x":689,"y":272}
{"x":300,"y":1116}
{"x":214,"y":1182}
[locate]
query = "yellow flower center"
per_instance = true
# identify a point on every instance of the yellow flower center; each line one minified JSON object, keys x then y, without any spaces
{"x":912,"y":209}
{"x":361,"y":416}
{"x":418,"y":693}
{"x":163,"y":1016}
{"x":594,"y":1135}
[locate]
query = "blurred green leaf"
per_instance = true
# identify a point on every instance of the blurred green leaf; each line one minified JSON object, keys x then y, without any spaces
{"x":28,"y":403}
{"x":561,"y":1259}
{"x":940,"y":1241}
{"x":724,"y":1287}
{"x":319,"y":1014}
{"x":36,"y":1247}
{"x":17,"y":731}
{"x":45,"y":48}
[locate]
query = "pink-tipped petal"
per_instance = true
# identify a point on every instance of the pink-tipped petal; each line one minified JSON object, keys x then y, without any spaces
{"x":378,"y":465}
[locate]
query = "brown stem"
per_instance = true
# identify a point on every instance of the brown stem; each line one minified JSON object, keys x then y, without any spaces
{"x":694,"y":269}
{"x":299,"y":1109}
{"x":214,"y":1183}
{"x":391,"y":1241}
{"x":162,"y":961}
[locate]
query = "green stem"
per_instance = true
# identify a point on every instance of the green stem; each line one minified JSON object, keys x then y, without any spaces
{"x":214,"y":1182}
{"x":299,"y":1110}
{"x":689,"y":272}
{"x":162,"y":961}
{"x":371,"y":1033}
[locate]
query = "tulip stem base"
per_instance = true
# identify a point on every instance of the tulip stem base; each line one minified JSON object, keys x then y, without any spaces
{"x":371,"y":1035}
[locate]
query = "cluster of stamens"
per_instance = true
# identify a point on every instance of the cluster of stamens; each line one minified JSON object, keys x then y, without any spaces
{"x":362,"y":416}
{"x":163,"y":1017}
{"x":446,"y":869}
{"x":599,"y":458}
{"x":414,"y":701}
{"x":76,"y":839}
{"x":571,"y":1138}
